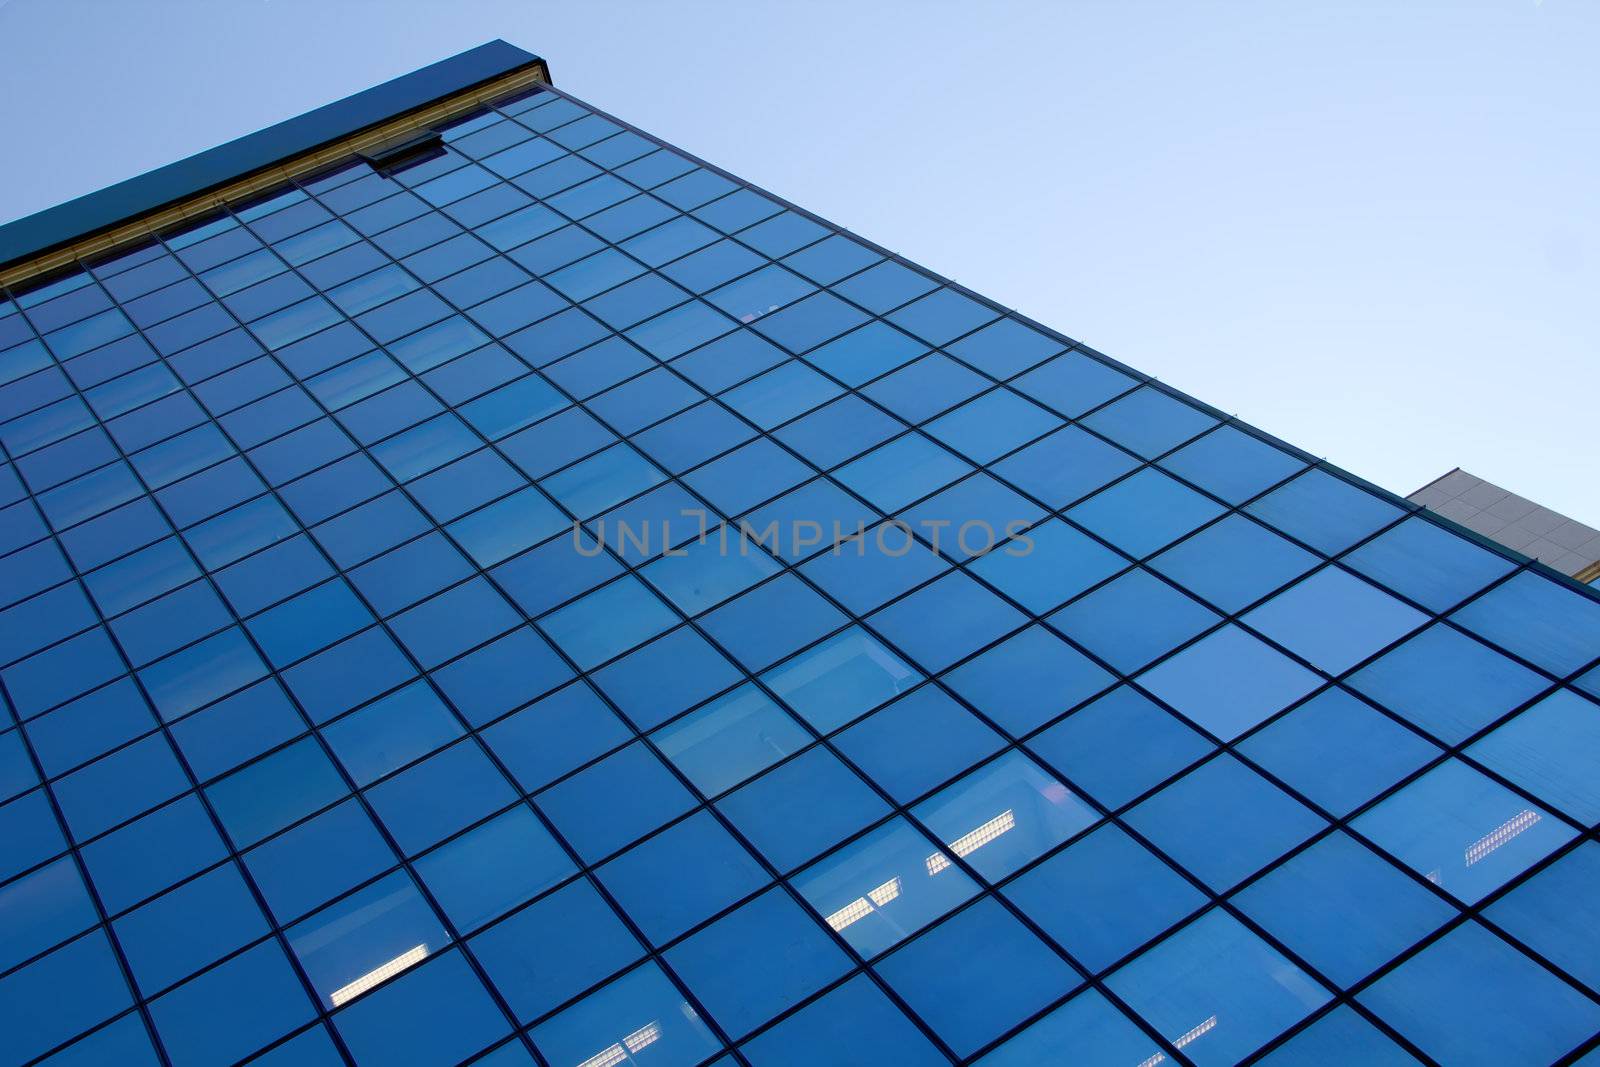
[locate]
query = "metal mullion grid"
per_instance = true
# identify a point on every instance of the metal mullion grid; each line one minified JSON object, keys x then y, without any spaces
{"x":1066,"y":341}
{"x":390,"y":436}
{"x":102,"y":923}
{"x":897,"y":418}
{"x":667,"y":763}
{"x":1339,"y":823}
{"x":1400,"y":785}
{"x":164,"y":727}
{"x":981,"y":882}
{"x":276,"y":932}
{"x":217,"y":827}
{"x":397,"y":261}
{"x":91,"y":271}
{"x":751,"y":678}
{"x":1214,"y":897}
{"x":61,"y":367}
{"x":364,"y":704}
{"x":214,"y":420}
{"x":753,"y":224}
{"x":1295,"y":850}
{"x":668,"y":417}
{"x":494,"y":759}
{"x":255,"y":892}
{"x":694,"y":297}
{"x":770,"y":260}
{"x":1464,"y":911}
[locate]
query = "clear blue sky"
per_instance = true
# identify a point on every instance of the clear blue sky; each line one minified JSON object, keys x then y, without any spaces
{"x":1372,"y":228}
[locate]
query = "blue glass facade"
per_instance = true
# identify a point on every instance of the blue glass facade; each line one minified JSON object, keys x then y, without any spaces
{"x":550,"y":602}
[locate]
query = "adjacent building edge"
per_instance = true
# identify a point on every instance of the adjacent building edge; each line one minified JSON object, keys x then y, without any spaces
{"x":1514,"y":522}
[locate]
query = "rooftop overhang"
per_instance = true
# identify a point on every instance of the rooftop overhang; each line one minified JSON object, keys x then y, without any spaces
{"x":383,"y":115}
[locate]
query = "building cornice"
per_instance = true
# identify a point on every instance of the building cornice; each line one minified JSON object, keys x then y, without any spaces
{"x":130,"y":211}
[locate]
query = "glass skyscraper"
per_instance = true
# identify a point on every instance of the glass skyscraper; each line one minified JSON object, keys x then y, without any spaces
{"x":480,"y":584}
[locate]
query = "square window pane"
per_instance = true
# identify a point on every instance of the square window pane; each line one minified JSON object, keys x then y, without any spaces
{"x":1462,"y":831}
{"x":1228,"y":681}
{"x":1223,"y":822}
{"x":1104,"y":896}
{"x":1462,"y":1000}
{"x":840,"y":679}
{"x":918,"y":741}
{"x":1213,"y":970}
{"x":1120,"y":746}
{"x":682,"y":876}
{"x":1004,"y":814}
{"x":1334,"y":620}
{"x":644,"y":1006}
{"x":881,"y":888}
{"x":978,"y":974}
{"x":1555,"y":913}
{"x":1338,"y":751}
{"x":757,"y":961}
{"x":1343,"y":909}
{"x":730,"y":740}
{"x":1447,"y":683}
{"x":803,"y":807}
{"x":1553,"y":751}
{"x":381,"y":931}
{"x":1145,"y":512}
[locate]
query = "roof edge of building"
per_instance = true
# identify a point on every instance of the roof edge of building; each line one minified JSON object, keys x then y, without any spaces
{"x":33,"y":238}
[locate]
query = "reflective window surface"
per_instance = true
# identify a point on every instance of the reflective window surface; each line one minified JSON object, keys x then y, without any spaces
{"x":554,"y":603}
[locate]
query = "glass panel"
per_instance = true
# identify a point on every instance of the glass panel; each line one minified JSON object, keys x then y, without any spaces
{"x":1459,"y":1000}
{"x":730,"y":740}
{"x":1004,"y":814}
{"x":1217,"y":990}
{"x":1462,"y":831}
{"x":757,"y":961}
{"x":884,"y":887}
{"x":366,"y":939}
{"x":978,"y":974}
{"x":1344,"y":910}
{"x":840,"y":679}
{"x":640,"y":1010}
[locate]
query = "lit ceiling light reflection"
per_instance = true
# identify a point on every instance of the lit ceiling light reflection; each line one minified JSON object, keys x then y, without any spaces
{"x":409,"y":958}
{"x":634,"y":1043}
{"x":1181,"y":1040}
{"x":861,"y":907}
{"x":969,"y":843}
{"x":1500,"y":835}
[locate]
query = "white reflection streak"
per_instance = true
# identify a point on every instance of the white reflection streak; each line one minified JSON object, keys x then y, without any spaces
{"x":861,"y":907}
{"x":1181,"y":1040}
{"x":408,"y":958}
{"x":1501,"y":834}
{"x":635,"y":1042}
{"x":969,"y":843}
